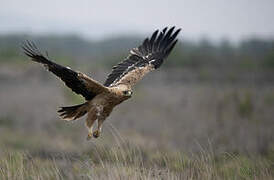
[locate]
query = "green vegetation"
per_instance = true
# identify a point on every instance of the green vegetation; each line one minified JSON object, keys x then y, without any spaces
{"x":269,"y":60}
{"x":248,"y":54}
{"x":245,"y":105}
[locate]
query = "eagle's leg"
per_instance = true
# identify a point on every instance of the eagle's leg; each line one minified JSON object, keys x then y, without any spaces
{"x":100,"y":117}
{"x":90,"y":122}
{"x":97,"y":132}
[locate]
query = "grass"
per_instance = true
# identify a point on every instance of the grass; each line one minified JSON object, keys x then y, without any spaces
{"x":125,"y":160}
{"x":127,"y":164}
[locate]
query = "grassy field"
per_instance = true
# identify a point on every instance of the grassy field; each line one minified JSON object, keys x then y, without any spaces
{"x":40,"y":157}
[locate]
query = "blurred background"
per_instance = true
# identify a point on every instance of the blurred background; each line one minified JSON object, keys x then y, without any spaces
{"x":215,"y":89}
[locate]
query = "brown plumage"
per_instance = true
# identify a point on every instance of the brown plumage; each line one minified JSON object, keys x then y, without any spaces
{"x":101,"y":99}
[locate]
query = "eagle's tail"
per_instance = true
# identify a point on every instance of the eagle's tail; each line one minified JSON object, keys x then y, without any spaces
{"x":73,"y":112}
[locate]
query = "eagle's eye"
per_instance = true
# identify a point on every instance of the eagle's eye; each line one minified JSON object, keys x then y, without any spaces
{"x":127,"y":93}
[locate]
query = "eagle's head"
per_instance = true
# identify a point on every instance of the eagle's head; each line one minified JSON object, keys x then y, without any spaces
{"x":122,"y":91}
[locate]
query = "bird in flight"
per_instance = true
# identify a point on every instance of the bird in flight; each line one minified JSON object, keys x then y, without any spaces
{"x":102,"y":98}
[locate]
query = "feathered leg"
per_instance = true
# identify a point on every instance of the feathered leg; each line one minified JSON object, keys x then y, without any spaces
{"x":97,"y":133}
{"x":90,"y":122}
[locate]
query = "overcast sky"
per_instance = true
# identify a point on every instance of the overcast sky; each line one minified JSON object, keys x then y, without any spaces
{"x":215,"y":19}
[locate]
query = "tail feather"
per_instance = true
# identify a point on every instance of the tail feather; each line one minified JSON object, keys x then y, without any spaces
{"x":73,"y":112}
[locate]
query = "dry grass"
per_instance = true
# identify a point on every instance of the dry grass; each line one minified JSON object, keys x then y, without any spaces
{"x":127,"y":164}
{"x":125,"y":160}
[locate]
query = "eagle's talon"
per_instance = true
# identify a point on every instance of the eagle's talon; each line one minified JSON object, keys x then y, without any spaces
{"x":89,"y":136}
{"x":96,"y":134}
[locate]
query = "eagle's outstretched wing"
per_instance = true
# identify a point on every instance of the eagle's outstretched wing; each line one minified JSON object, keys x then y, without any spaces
{"x":78,"y":82}
{"x":147,"y":57}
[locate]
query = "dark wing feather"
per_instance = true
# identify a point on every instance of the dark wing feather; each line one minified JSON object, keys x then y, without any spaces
{"x":147,"y":57}
{"x":70,"y":77}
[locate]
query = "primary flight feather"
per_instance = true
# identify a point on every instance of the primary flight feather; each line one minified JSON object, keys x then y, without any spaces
{"x":102,"y":98}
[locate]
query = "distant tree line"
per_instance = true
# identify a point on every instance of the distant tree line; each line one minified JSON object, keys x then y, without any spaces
{"x":250,"y":53}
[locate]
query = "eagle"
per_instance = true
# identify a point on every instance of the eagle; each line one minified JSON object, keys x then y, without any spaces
{"x":100,"y":99}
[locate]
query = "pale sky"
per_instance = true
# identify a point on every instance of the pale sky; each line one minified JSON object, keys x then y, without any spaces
{"x":97,"y":19}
